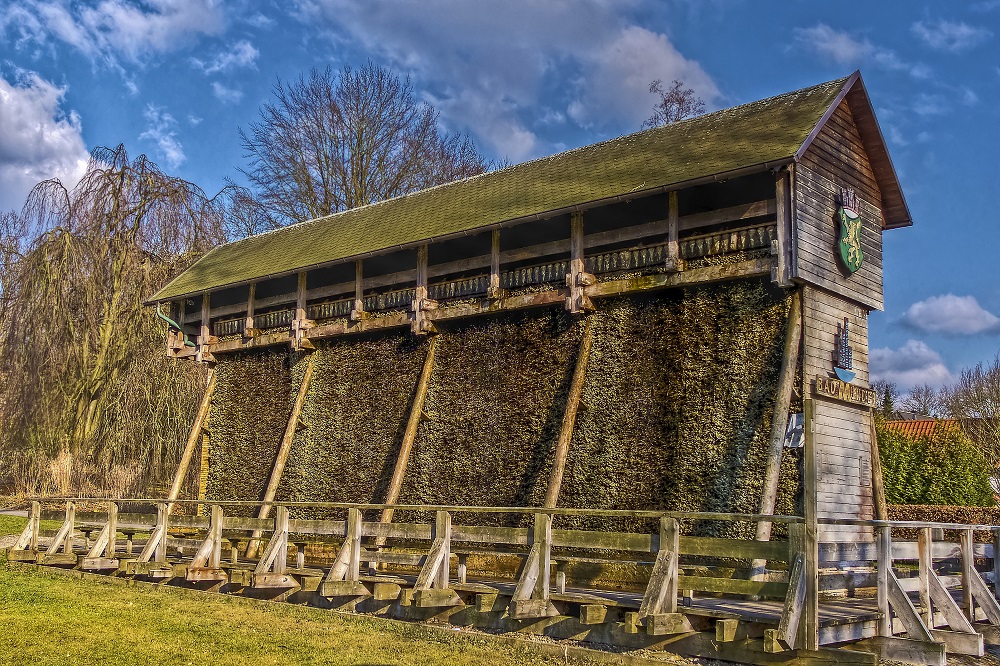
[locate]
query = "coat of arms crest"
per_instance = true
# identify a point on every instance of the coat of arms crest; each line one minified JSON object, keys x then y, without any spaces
{"x":849,"y":218}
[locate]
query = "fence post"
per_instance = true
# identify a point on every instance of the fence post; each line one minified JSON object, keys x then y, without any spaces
{"x":162,"y":510}
{"x":543,"y":537}
{"x":112,"y":530}
{"x":884,"y":565}
{"x":36,"y":515}
{"x":968,"y":563}
{"x":925,"y":540}
{"x":442,"y":531}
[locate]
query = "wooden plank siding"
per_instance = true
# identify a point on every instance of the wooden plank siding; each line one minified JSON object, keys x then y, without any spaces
{"x":840,"y":430}
{"x":835,"y":159}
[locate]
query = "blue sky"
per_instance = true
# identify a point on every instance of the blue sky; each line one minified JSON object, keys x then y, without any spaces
{"x":176,"y":79}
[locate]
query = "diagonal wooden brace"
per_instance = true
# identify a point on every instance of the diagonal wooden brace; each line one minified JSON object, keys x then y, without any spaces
{"x":207,"y":562}
{"x":431,"y":588}
{"x":981,"y":593}
{"x":661,"y":591}
{"x":102,"y":554}
{"x":271,"y":570}
{"x":156,"y":548}
{"x":795,"y":599}
{"x":344,"y":577}
{"x":64,"y":537}
{"x":29,"y":536}
{"x":531,"y":595}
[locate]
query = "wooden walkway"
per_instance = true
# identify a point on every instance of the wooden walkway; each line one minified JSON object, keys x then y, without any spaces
{"x":913,"y":601}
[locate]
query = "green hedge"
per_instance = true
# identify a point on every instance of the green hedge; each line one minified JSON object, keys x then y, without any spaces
{"x":946,"y":470}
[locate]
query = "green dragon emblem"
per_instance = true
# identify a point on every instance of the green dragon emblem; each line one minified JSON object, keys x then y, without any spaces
{"x":849,"y":218}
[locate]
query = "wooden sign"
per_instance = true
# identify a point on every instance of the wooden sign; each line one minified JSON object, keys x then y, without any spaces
{"x":838,"y":390}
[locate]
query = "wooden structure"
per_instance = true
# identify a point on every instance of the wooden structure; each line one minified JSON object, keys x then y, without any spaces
{"x":796,"y":189}
{"x":909,"y":596}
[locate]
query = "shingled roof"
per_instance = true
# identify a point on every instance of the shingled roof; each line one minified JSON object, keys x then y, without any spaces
{"x":758,"y":135}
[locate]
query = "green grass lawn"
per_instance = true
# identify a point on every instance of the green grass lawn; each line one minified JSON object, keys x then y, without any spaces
{"x":49,"y":618}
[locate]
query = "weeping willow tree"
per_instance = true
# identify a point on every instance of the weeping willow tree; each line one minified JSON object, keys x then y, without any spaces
{"x":88,"y":401}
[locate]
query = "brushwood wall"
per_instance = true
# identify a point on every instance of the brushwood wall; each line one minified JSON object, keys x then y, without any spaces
{"x":675,"y":412}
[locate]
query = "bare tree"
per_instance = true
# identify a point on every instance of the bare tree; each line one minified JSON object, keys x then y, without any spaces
{"x":975,"y":400}
{"x":86,"y":388}
{"x":675,"y":103}
{"x":329,"y":142}
{"x":923,"y":401}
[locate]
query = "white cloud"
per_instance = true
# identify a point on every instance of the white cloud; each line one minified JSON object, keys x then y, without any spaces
{"x":950,"y":36}
{"x":951,"y":314}
{"x":913,"y":364}
{"x":161,"y":131}
{"x":113,"y":28}
{"x":226,"y":95}
{"x":38,"y":138}
{"x":849,"y":51}
{"x":241,"y":54}
{"x":488,"y":65}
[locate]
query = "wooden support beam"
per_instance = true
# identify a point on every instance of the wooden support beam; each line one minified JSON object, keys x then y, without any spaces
{"x":789,"y":628}
{"x":531,"y":595}
{"x":249,"y":330}
{"x":431,"y":588}
{"x":577,"y":278}
{"x":409,"y":435}
{"x":28,"y":540}
{"x":942,"y":599}
{"x":925,"y":568}
{"x":884,"y":564}
{"x":274,"y":559}
{"x":900,"y":603}
{"x":968,"y":567}
{"x":878,"y":485}
{"x":193,"y":437}
{"x":207,"y":562}
{"x":781,"y":275}
{"x":674,"y":262}
{"x":64,"y":537}
{"x":344,"y":577}
{"x":358,"y":308}
{"x":569,"y":416}
{"x":420,"y":324}
{"x":779,"y":422}
{"x":661,"y":590}
{"x":205,"y":337}
{"x":494,"y":291}
{"x":282,"y":456}
{"x":301,"y":322}
{"x":810,"y":617}
{"x":984,"y":598}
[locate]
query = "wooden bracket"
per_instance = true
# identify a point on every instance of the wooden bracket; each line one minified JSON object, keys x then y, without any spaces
{"x":431,"y":588}
{"x":531,"y":595}
{"x":64,"y":537}
{"x":661,"y":591}
{"x":344,"y":577}
{"x":102,"y":555}
{"x":271,"y":569}
{"x":28,"y":540}
{"x":156,"y":547}
{"x":207,"y":562}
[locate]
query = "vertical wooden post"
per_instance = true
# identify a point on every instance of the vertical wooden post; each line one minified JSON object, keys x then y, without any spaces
{"x":996,"y":563}
{"x":248,"y":323}
{"x":34,"y":519}
{"x":301,"y":323}
{"x":162,"y":512}
{"x":968,"y":562}
{"x":542,"y":534}
{"x":779,"y":421}
{"x":354,"y":538}
{"x":193,"y":437}
{"x":112,"y":529}
{"x":577,"y":278}
{"x":781,"y":274}
{"x":282,"y":457}
{"x":925,"y":562}
{"x":673,"y":233}
{"x":416,"y":413}
{"x":569,"y":416}
{"x":215,"y":527}
{"x":203,"y":355}
{"x":884,"y":549}
{"x":811,"y":615}
{"x":493,"y":291}
{"x":358,"y":310}
{"x":420,"y":324}
{"x":442,"y":530}
{"x":281,"y":528}
{"x":881,"y":509}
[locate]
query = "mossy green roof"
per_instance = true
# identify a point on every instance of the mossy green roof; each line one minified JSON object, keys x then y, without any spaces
{"x":767,"y":131}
